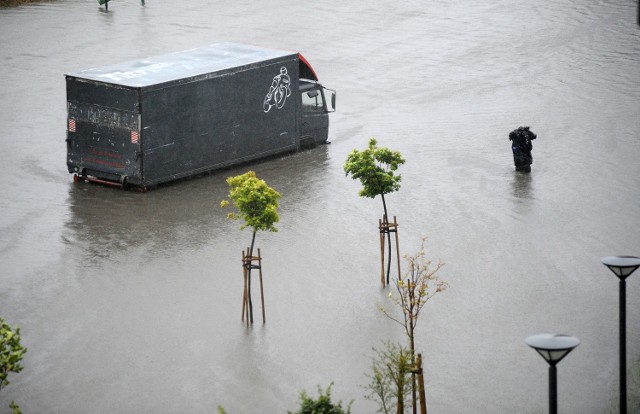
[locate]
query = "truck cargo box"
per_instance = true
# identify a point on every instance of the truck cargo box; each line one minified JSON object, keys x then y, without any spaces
{"x":155,"y":120}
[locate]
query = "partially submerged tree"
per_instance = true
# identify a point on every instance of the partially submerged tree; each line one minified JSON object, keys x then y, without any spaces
{"x":414,"y":291}
{"x":375,"y":168}
{"x":257,"y":205}
{"x":390,"y":385}
{"x":323,"y":405}
{"x":11,"y":353}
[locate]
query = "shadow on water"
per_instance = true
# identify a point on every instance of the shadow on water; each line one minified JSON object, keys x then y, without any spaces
{"x":106,"y":221}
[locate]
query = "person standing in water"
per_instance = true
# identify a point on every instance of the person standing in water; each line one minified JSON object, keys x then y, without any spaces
{"x":521,"y":146}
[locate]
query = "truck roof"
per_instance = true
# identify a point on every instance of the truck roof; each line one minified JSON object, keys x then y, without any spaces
{"x":180,"y":65}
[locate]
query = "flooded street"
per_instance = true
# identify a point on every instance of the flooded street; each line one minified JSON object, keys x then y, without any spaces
{"x":131,"y":302}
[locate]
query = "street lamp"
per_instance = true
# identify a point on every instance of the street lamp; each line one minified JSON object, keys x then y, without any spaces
{"x":553,"y":347}
{"x":622,"y":266}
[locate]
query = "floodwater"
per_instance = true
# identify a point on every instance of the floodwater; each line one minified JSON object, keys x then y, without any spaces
{"x":131,"y":303}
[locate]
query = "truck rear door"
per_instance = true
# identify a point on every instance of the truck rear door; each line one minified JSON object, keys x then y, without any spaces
{"x":103,"y":131}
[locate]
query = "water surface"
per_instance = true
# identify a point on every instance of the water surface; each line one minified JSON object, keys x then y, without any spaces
{"x":131,"y":302}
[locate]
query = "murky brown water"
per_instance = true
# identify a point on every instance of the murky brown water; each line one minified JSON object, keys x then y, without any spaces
{"x":131,"y":302}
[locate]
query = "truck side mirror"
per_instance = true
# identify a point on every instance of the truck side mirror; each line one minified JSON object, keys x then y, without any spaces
{"x":332,"y":100}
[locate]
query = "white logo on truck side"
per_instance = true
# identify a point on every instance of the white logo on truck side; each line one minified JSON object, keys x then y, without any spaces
{"x":279,"y":91}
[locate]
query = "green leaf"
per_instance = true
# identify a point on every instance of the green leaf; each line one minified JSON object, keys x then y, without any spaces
{"x":375,"y":168}
{"x":11,"y":352}
{"x":256,"y":202}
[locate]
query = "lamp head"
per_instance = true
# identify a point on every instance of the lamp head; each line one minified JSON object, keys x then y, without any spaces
{"x":622,"y":266}
{"x":552,"y":347}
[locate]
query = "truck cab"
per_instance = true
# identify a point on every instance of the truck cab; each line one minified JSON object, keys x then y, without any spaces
{"x":316,"y":102}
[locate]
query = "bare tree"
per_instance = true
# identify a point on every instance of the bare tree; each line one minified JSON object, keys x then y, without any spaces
{"x":413,"y":292}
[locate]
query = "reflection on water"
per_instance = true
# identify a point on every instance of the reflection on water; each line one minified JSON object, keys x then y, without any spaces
{"x":181,"y":215}
{"x":521,"y":185}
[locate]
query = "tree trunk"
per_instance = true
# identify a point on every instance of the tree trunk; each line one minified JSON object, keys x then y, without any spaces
{"x":386,"y":222}
{"x":250,"y":304}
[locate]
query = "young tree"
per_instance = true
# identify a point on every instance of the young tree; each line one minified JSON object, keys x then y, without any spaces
{"x":375,"y":168}
{"x":420,"y":284}
{"x":11,"y":353}
{"x":323,"y":405}
{"x":257,"y":205}
{"x":389,"y":385}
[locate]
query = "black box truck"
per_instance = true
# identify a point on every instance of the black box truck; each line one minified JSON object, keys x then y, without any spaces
{"x":156,"y":120}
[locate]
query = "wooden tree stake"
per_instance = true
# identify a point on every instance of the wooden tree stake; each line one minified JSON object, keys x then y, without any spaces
{"x":423,"y":402}
{"x":264,"y":319}
{"x":385,"y":228}
{"x":247,"y":266}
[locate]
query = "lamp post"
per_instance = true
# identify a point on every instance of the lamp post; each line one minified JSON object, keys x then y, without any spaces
{"x":622,"y":266}
{"x":552,"y":347}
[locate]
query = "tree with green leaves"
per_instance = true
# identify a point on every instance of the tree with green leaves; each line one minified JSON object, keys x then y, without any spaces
{"x":257,"y":206}
{"x":322,"y":405}
{"x":11,"y":354}
{"x":376,"y":169}
{"x":389,"y":384}
{"x":420,"y":284}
